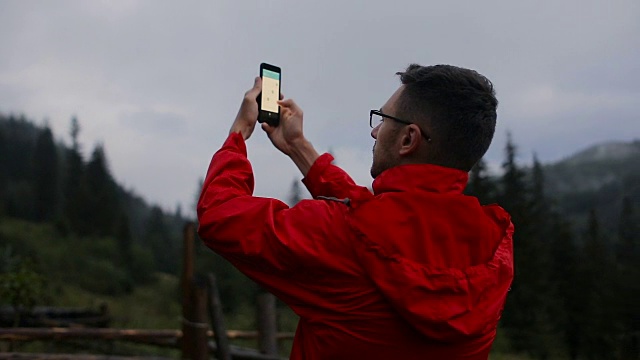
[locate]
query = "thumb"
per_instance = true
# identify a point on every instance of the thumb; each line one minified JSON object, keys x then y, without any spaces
{"x":257,"y":87}
{"x":268,"y":129}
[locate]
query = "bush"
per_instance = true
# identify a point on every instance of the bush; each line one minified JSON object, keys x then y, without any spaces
{"x":21,"y":286}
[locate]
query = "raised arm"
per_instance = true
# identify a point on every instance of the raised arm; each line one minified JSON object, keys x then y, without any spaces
{"x":263,"y":237}
{"x":321,"y":177}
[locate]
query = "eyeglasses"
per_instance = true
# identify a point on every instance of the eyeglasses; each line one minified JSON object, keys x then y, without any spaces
{"x":376,"y":118}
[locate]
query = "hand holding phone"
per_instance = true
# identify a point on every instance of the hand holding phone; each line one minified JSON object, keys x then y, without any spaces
{"x":268,"y":109}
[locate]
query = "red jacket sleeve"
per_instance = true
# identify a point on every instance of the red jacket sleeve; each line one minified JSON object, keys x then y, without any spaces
{"x":326,"y":179}
{"x":262,"y":237}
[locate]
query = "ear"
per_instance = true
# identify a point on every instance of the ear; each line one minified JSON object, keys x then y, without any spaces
{"x":410,"y":140}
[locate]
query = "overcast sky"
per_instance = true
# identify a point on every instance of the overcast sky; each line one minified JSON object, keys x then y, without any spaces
{"x":159,"y":82}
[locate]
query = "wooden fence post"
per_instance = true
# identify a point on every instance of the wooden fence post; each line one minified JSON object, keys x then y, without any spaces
{"x":267,"y":327}
{"x":185,"y":284}
{"x":188,"y":250}
{"x":223,"y":351}
{"x":194,"y":304}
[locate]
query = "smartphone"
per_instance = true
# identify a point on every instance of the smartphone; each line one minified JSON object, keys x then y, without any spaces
{"x":269,"y":95}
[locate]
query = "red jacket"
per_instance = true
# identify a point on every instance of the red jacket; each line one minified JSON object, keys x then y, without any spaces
{"x":416,"y":270}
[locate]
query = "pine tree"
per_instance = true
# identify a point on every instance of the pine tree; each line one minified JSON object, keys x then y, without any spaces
{"x":74,"y":190}
{"x":526,"y":313}
{"x":513,"y":195}
{"x":3,"y":169}
{"x":159,"y":240}
{"x":125,"y":244}
{"x":568,"y":308}
{"x":537,"y":189}
{"x":628,"y":280}
{"x":46,"y":176}
{"x":598,"y":322}
{"x":178,"y":212}
{"x":544,"y":223}
{"x":18,"y":158}
{"x":295,"y":195}
{"x":101,"y":198}
{"x":74,"y":132}
{"x":196,"y":197}
{"x":480,"y":184}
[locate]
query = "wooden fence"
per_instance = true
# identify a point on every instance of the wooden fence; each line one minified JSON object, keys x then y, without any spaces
{"x":203,"y":332}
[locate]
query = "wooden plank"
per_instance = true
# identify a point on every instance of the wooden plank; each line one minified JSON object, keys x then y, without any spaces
{"x":36,"y":356}
{"x":223,"y":350}
{"x":267,"y":326}
{"x":238,"y":354}
{"x":24,"y":334}
{"x":29,"y":334}
{"x":197,"y":322}
{"x":49,"y":311}
{"x":56,"y":317}
{"x":194,"y":303}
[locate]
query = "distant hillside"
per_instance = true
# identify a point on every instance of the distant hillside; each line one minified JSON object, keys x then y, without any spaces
{"x":598,"y":177}
{"x":143,"y":241}
{"x":22,"y":178}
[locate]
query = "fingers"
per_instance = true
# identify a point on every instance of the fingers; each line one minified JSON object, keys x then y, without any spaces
{"x":267,"y":128}
{"x":255,"y":90}
{"x":290,"y":104}
{"x":285,"y":112}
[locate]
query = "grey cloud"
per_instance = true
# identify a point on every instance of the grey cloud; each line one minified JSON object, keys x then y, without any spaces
{"x":155,"y":123}
{"x":180,"y":68}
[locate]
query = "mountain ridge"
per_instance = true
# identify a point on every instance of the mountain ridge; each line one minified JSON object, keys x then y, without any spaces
{"x":608,"y":150}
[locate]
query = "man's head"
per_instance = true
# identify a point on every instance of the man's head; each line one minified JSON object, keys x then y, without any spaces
{"x":452,"y":112}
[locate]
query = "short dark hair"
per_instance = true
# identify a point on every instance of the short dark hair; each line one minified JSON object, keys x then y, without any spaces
{"x":459,"y":108}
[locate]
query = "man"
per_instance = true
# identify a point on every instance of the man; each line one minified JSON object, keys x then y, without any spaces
{"x":415,"y":270}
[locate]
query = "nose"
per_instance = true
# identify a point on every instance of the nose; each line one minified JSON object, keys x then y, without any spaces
{"x":374,"y":132}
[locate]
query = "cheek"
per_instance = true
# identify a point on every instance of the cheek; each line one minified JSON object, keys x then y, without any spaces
{"x":384,"y":138}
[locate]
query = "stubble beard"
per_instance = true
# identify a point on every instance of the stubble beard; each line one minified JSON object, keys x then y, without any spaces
{"x":374,"y":165}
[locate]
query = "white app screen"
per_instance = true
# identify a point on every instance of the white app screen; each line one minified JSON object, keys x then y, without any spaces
{"x":270,"y":93}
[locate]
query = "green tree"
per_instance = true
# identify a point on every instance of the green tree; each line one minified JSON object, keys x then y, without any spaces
{"x":159,"y":239}
{"x":480,"y":184}
{"x":568,"y":308}
{"x":3,"y":168}
{"x":46,"y":176}
{"x":18,"y":191}
{"x":598,"y":320}
{"x":21,"y":286}
{"x":101,"y":199}
{"x":537,"y":188}
{"x":628,"y":280}
{"x":539,"y":237}
{"x":517,"y":316}
{"x":526,"y":314}
{"x":513,"y":196}
{"x":74,"y":190}
{"x":295,"y":194}
{"x":124,"y":241}
{"x":74,"y":132}
{"x":196,"y":197}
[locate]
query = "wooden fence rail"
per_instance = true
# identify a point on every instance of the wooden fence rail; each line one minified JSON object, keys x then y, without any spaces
{"x":201,"y":313}
{"x":134,"y":335}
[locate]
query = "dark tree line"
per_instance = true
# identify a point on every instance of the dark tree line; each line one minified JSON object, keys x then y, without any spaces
{"x":576,"y":292}
{"x":45,"y":181}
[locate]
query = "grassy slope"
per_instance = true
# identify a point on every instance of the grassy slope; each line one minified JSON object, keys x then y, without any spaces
{"x":152,"y":306}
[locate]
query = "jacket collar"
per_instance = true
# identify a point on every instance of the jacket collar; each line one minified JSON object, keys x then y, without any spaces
{"x":424,"y":177}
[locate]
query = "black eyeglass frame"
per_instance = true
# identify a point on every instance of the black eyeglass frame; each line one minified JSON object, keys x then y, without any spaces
{"x":380,"y":113}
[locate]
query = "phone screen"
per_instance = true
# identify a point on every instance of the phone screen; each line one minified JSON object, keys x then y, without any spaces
{"x":270,"y":90}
